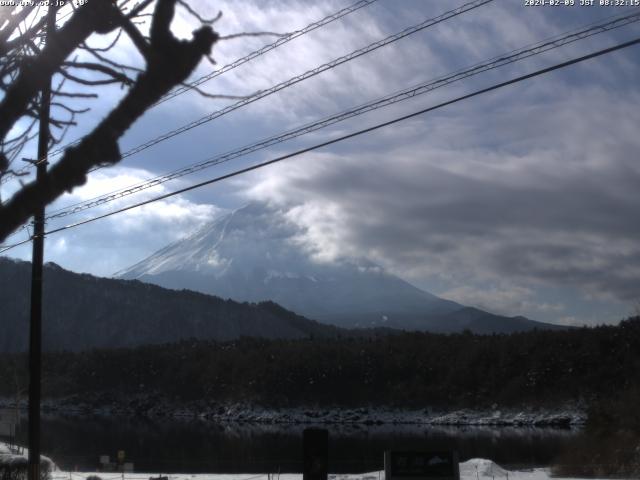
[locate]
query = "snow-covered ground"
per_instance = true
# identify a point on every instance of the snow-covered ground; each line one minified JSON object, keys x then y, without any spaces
{"x":474,"y":469}
{"x":18,"y":456}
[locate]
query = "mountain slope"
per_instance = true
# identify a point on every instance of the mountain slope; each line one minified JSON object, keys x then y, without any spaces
{"x":255,"y":254}
{"x":82,"y":311}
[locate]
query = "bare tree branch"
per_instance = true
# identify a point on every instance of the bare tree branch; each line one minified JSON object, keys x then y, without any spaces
{"x":197,"y":15}
{"x":19,"y":137}
{"x":95,"y":16}
{"x":90,"y":83}
{"x":136,"y":37}
{"x":69,"y":109}
{"x":76,"y":94}
{"x":106,"y":60}
{"x":22,"y":38}
{"x":61,"y":124}
{"x":12,"y":24}
{"x":96,"y":67}
{"x":103,"y":49}
{"x":217,"y":95}
{"x":170,"y":62}
{"x":139,"y":8}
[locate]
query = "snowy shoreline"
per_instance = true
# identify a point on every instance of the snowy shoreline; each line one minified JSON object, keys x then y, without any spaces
{"x":472,"y":469}
{"x":564,"y":417}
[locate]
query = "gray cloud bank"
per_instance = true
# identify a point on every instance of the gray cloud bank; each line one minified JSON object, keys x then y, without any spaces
{"x":494,"y":202}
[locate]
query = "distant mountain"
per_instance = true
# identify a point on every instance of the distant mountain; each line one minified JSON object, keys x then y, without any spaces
{"x":82,"y":311}
{"x":254,"y":254}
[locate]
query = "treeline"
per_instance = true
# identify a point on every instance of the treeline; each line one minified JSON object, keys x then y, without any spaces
{"x":536,"y":368}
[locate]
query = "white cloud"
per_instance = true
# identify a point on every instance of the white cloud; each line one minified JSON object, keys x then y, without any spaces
{"x":113,"y":243}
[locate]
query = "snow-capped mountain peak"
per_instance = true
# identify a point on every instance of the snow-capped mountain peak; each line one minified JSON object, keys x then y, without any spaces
{"x":255,"y":254}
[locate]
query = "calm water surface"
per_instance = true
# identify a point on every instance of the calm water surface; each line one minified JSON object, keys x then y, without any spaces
{"x":191,"y":446}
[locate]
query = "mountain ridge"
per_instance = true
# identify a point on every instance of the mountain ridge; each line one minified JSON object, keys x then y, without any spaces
{"x":256,"y":253}
{"x":81,"y":311}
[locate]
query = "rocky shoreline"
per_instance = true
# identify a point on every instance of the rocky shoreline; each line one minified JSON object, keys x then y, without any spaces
{"x":147,"y":406}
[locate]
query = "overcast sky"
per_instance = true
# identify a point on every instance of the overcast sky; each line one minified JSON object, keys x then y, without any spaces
{"x":523,"y":201}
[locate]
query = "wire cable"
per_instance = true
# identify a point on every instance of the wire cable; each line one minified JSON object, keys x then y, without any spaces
{"x":267,"y":48}
{"x":308,"y":74}
{"x":5,"y":248}
{"x":230,"y":66}
{"x":287,"y":83}
{"x":297,"y":79}
{"x":350,"y":135}
{"x":420,"y":89}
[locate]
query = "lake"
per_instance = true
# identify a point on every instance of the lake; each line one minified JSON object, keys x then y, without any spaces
{"x":193,"y":446}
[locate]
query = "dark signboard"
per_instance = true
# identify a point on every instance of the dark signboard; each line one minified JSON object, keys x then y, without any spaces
{"x":316,"y":454}
{"x":421,"y":465}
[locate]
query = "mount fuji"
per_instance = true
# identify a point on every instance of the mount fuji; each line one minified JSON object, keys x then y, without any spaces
{"x":253,"y":255}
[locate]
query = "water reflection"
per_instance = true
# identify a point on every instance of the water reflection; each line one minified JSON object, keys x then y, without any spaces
{"x":192,"y":446}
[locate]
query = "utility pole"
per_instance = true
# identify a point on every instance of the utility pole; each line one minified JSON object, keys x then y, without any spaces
{"x":35,"y":325}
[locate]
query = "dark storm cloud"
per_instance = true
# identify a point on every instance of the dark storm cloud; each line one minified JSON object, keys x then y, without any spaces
{"x":601,"y":270}
{"x":553,"y":205}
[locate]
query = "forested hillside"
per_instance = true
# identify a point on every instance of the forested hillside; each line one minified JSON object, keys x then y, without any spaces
{"x":408,"y":369}
{"x":83,"y":311}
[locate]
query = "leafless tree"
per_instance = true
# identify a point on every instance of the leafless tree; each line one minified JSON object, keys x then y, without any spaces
{"x":28,"y":59}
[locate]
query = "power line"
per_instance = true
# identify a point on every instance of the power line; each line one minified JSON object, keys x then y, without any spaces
{"x":299,"y":78}
{"x":16,"y":232}
{"x":230,"y":66}
{"x":353,"y":134}
{"x":267,"y":48}
{"x":495,"y":62}
{"x":5,"y":248}
{"x":308,"y":74}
